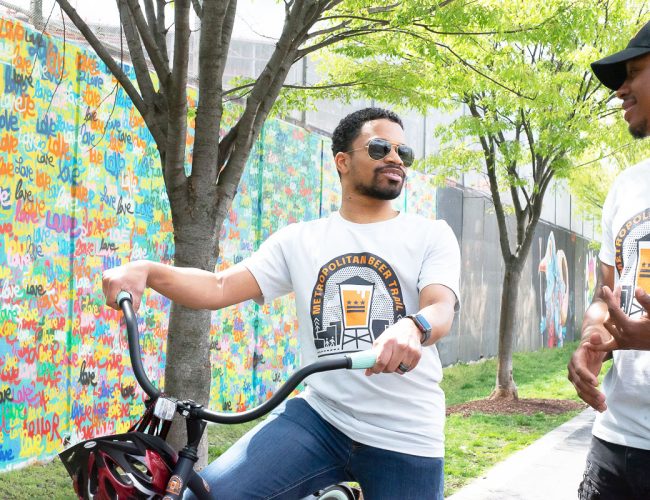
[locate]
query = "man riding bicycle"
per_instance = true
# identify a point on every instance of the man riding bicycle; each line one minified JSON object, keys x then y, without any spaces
{"x":366,"y":276}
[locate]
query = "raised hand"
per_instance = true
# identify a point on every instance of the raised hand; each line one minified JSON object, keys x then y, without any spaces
{"x":584,"y":368}
{"x":626,"y":332}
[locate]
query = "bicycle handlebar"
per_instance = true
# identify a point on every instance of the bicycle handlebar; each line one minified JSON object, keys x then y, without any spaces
{"x":124,"y":301}
{"x":357,"y":360}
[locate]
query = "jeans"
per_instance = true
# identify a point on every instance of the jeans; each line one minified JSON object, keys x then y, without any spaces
{"x":615,"y":472}
{"x":294,"y":453}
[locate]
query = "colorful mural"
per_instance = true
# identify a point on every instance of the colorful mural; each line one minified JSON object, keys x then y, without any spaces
{"x":80,"y":192}
{"x":591,"y":261}
{"x":71,"y":150}
{"x":555,"y":308}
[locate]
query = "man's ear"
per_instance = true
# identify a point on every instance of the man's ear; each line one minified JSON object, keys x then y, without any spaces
{"x":342,"y":162}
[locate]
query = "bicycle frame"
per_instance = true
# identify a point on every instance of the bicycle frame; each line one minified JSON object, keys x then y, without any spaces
{"x":196,"y":417}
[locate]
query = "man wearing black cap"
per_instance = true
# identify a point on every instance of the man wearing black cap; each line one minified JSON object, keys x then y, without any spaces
{"x":615,"y":324}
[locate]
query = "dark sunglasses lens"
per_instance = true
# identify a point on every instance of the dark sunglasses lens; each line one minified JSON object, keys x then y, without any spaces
{"x":406,"y":154}
{"x":379,"y":149}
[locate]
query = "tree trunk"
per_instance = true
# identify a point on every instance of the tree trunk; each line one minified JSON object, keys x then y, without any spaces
{"x":187,"y":370}
{"x":505,"y":384}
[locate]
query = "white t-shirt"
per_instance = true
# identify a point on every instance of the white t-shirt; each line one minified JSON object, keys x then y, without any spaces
{"x":352,"y":281}
{"x":626,"y":246}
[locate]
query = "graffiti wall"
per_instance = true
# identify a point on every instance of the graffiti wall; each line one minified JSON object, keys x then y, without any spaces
{"x":557,"y":283}
{"x":71,"y":149}
{"x":81,"y":191}
{"x":554,"y":289}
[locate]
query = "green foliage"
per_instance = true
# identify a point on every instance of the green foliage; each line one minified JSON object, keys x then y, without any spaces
{"x":591,"y":180}
{"x":518,"y":70}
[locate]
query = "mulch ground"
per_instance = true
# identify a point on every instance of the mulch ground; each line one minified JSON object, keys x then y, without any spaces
{"x":519,"y":406}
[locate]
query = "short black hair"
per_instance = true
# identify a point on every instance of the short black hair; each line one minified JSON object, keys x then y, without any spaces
{"x":349,"y":127}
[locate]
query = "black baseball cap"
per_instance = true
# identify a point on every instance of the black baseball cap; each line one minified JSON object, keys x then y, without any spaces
{"x":611,"y":70}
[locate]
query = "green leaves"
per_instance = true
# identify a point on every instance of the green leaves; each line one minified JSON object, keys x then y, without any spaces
{"x":522,"y":66}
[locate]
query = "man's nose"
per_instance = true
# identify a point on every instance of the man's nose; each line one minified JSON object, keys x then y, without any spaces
{"x":393,"y":157}
{"x":623,"y":90}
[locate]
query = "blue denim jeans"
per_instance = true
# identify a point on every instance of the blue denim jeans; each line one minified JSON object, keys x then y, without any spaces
{"x":294,"y":453}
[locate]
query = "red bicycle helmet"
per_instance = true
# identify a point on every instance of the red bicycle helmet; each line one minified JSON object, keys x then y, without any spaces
{"x":130,"y":465}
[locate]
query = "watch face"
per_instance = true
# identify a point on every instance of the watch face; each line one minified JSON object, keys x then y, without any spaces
{"x":423,"y":321}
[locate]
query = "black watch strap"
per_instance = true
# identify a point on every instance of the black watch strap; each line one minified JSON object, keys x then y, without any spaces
{"x":422,"y":325}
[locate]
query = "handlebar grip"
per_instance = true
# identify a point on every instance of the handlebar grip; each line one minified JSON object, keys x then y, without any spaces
{"x":362,"y":359}
{"x":123,"y":295}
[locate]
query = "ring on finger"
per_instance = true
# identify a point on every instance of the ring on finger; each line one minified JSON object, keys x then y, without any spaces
{"x":404,"y":367}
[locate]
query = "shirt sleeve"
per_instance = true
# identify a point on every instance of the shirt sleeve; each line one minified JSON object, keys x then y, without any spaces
{"x":269,"y":265}
{"x":607,"y":253}
{"x":441,"y":264}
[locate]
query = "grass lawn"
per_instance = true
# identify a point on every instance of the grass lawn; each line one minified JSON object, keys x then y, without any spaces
{"x":473,"y":443}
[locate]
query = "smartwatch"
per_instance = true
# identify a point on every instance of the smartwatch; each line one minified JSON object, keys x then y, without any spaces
{"x":422,"y":325}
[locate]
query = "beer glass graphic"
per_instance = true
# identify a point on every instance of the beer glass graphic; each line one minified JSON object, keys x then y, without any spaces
{"x":356,"y":299}
{"x":642,"y":276}
{"x":643,"y":264}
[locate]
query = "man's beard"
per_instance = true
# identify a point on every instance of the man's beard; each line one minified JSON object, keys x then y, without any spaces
{"x":374,"y":190}
{"x":639,"y":131}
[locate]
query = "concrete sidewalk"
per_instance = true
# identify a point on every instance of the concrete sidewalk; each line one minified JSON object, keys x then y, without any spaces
{"x":549,"y":469}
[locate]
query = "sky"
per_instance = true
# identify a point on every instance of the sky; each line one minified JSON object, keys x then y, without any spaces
{"x":256,"y":19}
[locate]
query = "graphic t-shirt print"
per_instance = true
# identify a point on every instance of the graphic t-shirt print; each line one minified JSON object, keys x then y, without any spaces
{"x":355,"y":298}
{"x":632,"y":247}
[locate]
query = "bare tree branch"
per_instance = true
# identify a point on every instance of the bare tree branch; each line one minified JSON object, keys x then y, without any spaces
{"x":484,"y":75}
{"x":489,"y":154}
{"x":299,"y":87}
{"x":160,"y":29}
{"x":198,"y":8}
{"x":327,"y":31}
{"x":174,"y":171}
{"x":116,"y":70}
{"x":137,"y":54}
{"x":212,"y":62}
{"x":160,"y":65}
{"x":270,"y":82}
{"x":476,"y":33}
{"x":155,"y":27}
{"x":353,"y":33}
{"x":384,"y":8}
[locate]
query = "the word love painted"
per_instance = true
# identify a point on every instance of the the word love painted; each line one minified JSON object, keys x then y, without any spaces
{"x":68,"y":201}
{"x":81,"y":192}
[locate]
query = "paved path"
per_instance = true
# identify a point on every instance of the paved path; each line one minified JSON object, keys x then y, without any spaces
{"x":549,"y":469}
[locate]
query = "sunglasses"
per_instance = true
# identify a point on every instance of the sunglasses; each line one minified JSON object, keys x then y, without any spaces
{"x":378,"y":149}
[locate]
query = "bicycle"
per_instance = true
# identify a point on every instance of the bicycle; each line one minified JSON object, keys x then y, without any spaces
{"x":141,"y":464}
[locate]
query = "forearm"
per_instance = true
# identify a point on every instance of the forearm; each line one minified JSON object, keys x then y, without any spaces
{"x":594,"y":318}
{"x":440,"y":316}
{"x":597,"y":313}
{"x":189,"y":287}
{"x":593,"y":323}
